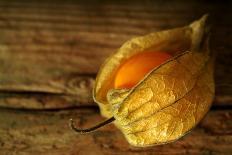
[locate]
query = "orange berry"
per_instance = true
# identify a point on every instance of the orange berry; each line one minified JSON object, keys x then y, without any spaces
{"x":135,"y":68}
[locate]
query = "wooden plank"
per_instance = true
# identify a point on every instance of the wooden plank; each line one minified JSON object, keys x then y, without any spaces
{"x":78,"y":92}
{"x":46,"y":47}
{"x":47,"y":132}
{"x":50,"y":52}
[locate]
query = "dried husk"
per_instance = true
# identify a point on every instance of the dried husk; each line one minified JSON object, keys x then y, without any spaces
{"x":171,"y":99}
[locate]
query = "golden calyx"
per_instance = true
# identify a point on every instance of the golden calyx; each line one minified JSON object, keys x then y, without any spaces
{"x":170,"y":99}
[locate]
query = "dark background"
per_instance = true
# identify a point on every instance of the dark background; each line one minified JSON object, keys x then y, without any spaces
{"x":50,"y":52}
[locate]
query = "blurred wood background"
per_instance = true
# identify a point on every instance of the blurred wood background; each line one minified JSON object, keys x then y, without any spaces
{"x":50,"y":52}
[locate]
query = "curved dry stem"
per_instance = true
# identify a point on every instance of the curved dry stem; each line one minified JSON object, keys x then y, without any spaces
{"x":83,"y":131}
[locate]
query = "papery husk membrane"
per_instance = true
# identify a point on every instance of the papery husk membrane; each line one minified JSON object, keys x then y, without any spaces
{"x":171,"y":99}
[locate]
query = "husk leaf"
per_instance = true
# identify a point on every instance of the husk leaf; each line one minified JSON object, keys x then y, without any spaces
{"x":171,"y":99}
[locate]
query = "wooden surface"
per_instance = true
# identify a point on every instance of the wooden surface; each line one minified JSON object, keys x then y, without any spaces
{"x":47,"y":132}
{"x":51,"y":51}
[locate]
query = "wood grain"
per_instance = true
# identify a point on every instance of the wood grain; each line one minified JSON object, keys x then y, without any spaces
{"x":50,"y":53}
{"x":47,"y":47}
{"x":47,"y":132}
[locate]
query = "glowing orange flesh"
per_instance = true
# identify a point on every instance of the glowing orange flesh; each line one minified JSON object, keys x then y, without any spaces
{"x":136,"y":67}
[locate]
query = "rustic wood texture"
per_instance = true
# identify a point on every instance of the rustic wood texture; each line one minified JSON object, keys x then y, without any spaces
{"x":34,"y":132}
{"x":56,"y":48}
{"x":50,"y":52}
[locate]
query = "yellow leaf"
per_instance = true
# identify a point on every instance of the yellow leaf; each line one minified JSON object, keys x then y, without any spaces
{"x":171,"y":99}
{"x":169,"y":102}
